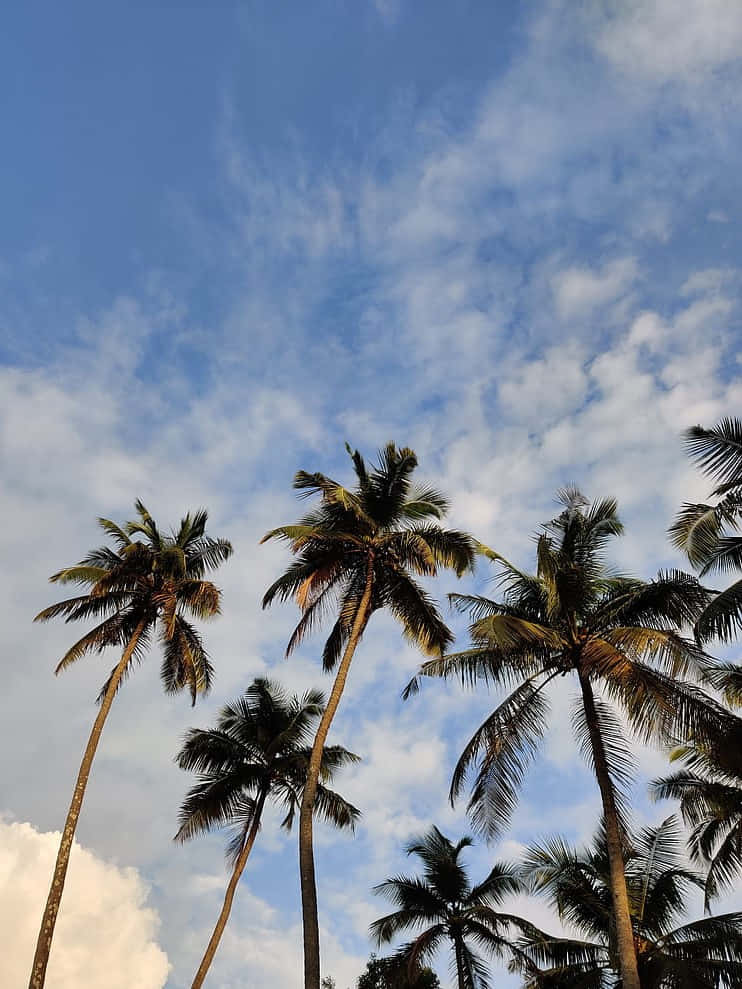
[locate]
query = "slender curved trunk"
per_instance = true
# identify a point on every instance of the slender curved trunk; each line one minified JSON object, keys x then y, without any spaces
{"x":621,"y":912}
{"x":221,"y":923}
{"x":306,"y":850}
{"x":460,"y":970}
{"x":49,"y":920}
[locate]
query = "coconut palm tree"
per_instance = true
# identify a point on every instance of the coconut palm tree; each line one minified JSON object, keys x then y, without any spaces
{"x":443,"y":906}
{"x":616,"y":636}
{"x":258,"y":752}
{"x":151,"y":582}
{"x":705,"y":532}
{"x":709,"y":789}
{"x":356,"y":553}
{"x":672,"y":954}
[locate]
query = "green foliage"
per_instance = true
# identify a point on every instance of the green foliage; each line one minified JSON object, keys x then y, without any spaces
{"x":259,"y":750}
{"x":154,"y":583}
{"x":388,"y":973}
{"x":709,"y":789}
{"x":706,"y":532}
{"x":704,"y":954}
{"x":575,"y":616}
{"x":447,"y":907}
{"x":386,"y":524}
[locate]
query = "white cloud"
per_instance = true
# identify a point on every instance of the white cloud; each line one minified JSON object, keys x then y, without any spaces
{"x":512,"y":297}
{"x":578,"y":291}
{"x":668,"y":39}
{"x":106,"y":934}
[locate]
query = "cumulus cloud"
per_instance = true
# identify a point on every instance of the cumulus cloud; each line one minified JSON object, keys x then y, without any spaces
{"x":106,"y":934}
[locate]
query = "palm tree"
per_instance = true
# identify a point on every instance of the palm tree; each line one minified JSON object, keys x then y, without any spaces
{"x":709,"y":789}
{"x":147,"y":584}
{"x":257,"y":752}
{"x":615,"y":635}
{"x":356,"y":553}
{"x":703,"y":954}
{"x":704,"y":531}
{"x":445,"y":906}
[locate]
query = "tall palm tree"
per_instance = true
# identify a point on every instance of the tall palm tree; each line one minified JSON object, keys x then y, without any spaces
{"x":356,"y":553}
{"x":147,"y":584}
{"x":702,"y":954}
{"x":258,"y":752}
{"x":709,"y":789}
{"x":615,"y":636}
{"x":705,"y":532}
{"x":444,"y":906}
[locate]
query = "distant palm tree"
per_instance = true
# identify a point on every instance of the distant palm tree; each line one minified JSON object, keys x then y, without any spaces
{"x":619,"y":635}
{"x":257,"y":752}
{"x":445,"y":906}
{"x":145,"y":585}
{"x":356,"y":553}
{"x":705,"y":532}
{"x":703,"y":954}
{"x":709,"y":789}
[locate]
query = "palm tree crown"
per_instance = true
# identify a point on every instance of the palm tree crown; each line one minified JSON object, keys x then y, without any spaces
{"x":447,"y":907}
{"x":704,"y":954}
{"x":259,"y":748}
{"x":709,"y":789}
{"x":706,"y":533}
{"x":576,"y":616}
{"x":386,"y":529}
{"x":147,"y":582}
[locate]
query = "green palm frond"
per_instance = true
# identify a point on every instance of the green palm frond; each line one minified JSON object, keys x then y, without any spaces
{"x":705,"y":953}
{"x":80,"y":574}
{"x":144,"y":584}
{"x":84,"y":606}
{"x":443,"y":904}
{"x":334,"y":809}
{"x":698,"y":527}
{"x":502,"y":748}
{"x":423,"y":503}
{"x":621,"y":764}
{"x":673,"y":598}
{"x":259,"y":747}
{"x":381,"y":525}
{"x":676,"y":655}
{"x":717,"y":451}
{"x":722,"y":618}
{"x":510,"y":632}
{"x":109,"y":632}
{"x":185,"y":662}
{"x":200,"y":597}
{"x":416,"y":612}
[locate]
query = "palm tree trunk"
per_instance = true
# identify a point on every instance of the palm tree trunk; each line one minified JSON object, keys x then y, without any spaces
{"x":49,"y":920}
{"x":221,"y":923}
{"x":306,"y":850}
{"x":614,"y":843}
{"x":460,"y":970}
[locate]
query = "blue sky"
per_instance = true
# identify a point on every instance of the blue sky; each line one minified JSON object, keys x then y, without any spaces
{"x":235,"y":236}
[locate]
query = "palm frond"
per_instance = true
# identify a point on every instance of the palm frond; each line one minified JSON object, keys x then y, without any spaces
{"x":504,"y":747}
{"x":185,"y":661}
{"x":416,"y":612}
{"x":722,"y":618}
{"x":717,"y":451}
